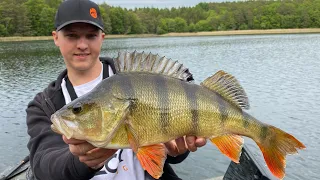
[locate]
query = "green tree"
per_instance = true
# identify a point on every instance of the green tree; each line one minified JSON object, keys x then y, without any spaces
{"x":192,"y":27}
{"x":53,"y":3}
{"x":160,"y":30}
{"x":7,"y":17}
{"x":23,"y":25}
{"x":203,"y":25}
{"x":204,"y":6}
{"x":105,"y":15}
{"x":180,"y":25}
{"x":3,"y":30}
{"x":46,"y":21}
{"x":171,"y":23}
{"x":134,"y":23}
{"x":117,"y":20}
{"x":227,"y":19}
{"x":13,"y":18}
{"x":34,"y":11}
{"x":35,"y":17}
{"x":149,"y":20}
{"x":163,"y":26}
{"x":213,"y":19}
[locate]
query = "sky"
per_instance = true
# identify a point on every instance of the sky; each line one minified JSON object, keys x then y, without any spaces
{"x":155,"y":3}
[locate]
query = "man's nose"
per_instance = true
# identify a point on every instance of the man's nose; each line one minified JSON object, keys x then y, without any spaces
{"x":82,"y":43}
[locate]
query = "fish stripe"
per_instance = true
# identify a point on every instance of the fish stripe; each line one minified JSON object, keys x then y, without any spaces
{"x":191,"y":94}
{"x":164,"y":102}
{"x":263,"y":132}
{"x":222,"y":105}
{"x":245,"y":119}
{"x":126,"y":87}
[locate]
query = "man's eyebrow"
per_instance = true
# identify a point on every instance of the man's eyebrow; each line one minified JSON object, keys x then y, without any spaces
{"x":94,"y":30}
{"x":73,"y":31}
{"x":68,"y":31}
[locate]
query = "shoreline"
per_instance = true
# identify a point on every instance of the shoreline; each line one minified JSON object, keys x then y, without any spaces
{"x":184,"y":34}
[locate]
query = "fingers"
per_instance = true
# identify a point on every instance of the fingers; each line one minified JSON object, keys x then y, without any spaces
{"x":95,"y":164}
{"x":176,"y":147}
{"x":200,"y":142}
{"x":96,"y":154}
{"x":72,"y":141}
{"x":190,"y":140}
{"x":80,"y":149}
{"x":194,"y":142}
{"x":171,"y":148}
{"x":181,"y":145}
{"x":93,"y":157}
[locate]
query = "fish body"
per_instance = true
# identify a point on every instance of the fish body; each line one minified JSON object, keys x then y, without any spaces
{"x":165,"y":108}
{"x":149,"y":103}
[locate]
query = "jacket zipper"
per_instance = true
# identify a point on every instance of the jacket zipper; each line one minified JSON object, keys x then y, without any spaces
{"x":50,"y":105}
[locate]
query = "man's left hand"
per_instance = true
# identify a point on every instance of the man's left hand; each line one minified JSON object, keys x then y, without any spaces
{"x":182,"y":144}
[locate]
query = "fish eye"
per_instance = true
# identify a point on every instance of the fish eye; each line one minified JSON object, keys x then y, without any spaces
{"x":77,"y":108}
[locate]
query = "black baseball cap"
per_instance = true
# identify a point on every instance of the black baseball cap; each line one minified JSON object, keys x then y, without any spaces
{"x":74,"y":11}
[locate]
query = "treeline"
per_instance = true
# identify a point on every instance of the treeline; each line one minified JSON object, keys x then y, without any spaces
{"x":36,"y":17}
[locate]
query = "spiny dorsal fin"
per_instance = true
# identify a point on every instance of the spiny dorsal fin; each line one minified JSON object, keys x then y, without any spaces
{"x":228,"y":87}
{"x":148,"y":62}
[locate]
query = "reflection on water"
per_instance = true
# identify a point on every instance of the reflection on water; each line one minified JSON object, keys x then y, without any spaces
{"x":280,"y":73}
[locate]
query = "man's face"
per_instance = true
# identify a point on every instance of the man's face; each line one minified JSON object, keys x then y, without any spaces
{"x":80,"y":45}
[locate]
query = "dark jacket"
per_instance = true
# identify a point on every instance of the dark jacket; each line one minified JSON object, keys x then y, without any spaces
{"x":50,"y":157}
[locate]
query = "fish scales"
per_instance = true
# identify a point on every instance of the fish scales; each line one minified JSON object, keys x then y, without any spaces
{"x":169,"y":104}
{"x":162,"y":113}
{"x":146,"y":115}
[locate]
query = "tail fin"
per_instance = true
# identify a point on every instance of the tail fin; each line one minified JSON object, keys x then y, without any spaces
{"x":275,"y":149}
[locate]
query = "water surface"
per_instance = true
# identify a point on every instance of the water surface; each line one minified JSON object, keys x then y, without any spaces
{"x":280,"y":74}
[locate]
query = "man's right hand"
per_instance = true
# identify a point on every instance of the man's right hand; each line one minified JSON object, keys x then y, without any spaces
{"x":87,"y":153}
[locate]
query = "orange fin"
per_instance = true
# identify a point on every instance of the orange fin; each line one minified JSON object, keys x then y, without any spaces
{"x":276,"y":147}
{"x":152,"y":159}
{"x":132,"y":136}
{"x":132,"y":141}
{"x":230,"y":145}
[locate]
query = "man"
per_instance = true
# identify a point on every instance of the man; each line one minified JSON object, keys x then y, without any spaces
{"x":79,"y":36}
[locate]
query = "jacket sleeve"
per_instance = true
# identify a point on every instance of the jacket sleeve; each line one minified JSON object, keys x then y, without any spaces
{"x":177,"y":159}
{"x":50,"y":157}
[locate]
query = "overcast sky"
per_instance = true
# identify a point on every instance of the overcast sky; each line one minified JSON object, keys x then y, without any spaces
{"x":155,"y":3}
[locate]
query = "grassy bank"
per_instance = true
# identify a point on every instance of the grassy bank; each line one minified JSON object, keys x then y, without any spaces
{"x":211,"y":33}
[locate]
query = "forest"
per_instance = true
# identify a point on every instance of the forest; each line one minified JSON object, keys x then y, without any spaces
{"x":36,"y":17}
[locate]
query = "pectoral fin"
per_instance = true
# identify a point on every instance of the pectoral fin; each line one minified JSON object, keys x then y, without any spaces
{"x":230,"y":145}
{"x":152,"y":158}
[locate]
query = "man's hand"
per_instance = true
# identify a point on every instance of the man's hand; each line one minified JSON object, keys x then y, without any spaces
{"x":182,"y":144}
{"x":87,"y":153}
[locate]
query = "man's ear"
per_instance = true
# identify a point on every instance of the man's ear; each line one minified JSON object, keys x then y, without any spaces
{"x":103,"y":35}
{"x":55,"y":38}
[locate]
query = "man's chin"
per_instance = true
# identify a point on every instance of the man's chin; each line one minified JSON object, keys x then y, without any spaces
{"x":81,"y":65}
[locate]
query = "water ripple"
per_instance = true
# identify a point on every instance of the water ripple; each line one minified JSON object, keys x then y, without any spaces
{"x":280,"y":73}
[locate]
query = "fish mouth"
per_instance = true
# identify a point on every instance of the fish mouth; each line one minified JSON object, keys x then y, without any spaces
{"x":60,"y":127}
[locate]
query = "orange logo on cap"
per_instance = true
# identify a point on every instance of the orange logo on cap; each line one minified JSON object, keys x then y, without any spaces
{"x":93,"y":13}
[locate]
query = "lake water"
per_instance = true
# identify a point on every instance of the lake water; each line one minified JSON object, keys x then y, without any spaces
{"x":280,"y":74}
